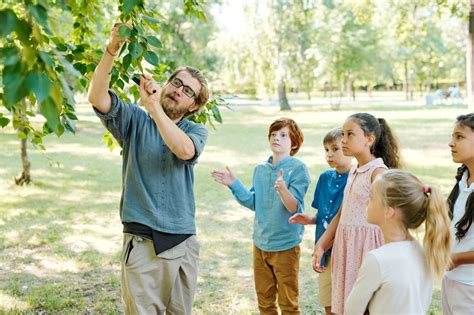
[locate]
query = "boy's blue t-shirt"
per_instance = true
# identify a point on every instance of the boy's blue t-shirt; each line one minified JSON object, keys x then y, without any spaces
{"x":327,"y":199}
{"x":271,"y":230}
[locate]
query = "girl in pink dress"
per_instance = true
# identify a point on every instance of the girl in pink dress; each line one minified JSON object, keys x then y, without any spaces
{"x":371,"y":142}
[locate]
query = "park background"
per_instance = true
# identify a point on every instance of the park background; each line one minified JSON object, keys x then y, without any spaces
{"x":316,"y":61}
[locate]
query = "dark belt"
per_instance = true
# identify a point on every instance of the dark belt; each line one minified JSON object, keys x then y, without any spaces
{"x":161,"y":241}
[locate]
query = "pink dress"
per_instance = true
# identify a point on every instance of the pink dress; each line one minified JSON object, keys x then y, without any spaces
{"x":354,"y":236}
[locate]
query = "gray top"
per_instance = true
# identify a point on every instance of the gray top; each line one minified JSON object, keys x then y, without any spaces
{"x":157,"y":185}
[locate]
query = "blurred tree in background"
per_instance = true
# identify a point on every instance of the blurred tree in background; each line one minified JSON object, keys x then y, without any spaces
{"x":345,"y":45}
{"x":49,"y":49}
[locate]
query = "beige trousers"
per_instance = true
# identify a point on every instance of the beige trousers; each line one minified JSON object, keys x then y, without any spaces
{"x":160,"y":284}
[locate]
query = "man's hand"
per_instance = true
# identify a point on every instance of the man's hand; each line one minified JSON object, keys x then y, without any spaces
{"x":115,"y":42}
{"x":150,"y":93}
{"x":223,"y":177}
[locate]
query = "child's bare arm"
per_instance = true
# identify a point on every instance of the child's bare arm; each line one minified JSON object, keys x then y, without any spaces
{"x":325,"y":242}
{"x":461,"y":259}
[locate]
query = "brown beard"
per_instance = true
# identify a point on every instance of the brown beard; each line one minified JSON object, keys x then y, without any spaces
{"x":173,"y":111}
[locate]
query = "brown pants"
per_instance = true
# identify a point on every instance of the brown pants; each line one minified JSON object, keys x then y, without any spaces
{"x":276,"y":277}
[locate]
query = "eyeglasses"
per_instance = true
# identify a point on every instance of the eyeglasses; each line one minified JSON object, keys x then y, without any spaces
{"x":177,"y":83}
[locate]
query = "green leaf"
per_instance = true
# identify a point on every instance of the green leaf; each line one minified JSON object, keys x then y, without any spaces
{"x":10,"y":55}
{"x":71,"y":116}
{"x":68,"y":124}
{"x":39,"y":83}
{"x":21,"y":135}
{"x":200,"y":15}
{"x":23,"y":31}
{"x":135,"y":49}
{"x":152,"y":40}
{"x":9,"y":22}
{"x":49,"y":110}
{"x":128,"y":5}
{"x":152,"y":58}
{"x":216,"y":113}
{"x":120,"y":84}
{"x":124,"y":32}
{"x":110,"y":141}
{"x":140,"y":29}
{"x":46,"y":58}
{"x":40,"y":15}
{"x":150,"y":19}
{"x":3,"y":120}
{"x":80,"y":67}
{"x":14,"y":89}
{"x":127,"y":60}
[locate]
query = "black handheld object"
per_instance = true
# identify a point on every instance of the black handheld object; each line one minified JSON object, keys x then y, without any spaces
{"x":136,"y":79}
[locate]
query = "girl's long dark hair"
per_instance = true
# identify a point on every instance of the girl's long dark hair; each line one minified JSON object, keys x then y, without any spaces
{"x":463,"y":225}
{"x":385,"y":145}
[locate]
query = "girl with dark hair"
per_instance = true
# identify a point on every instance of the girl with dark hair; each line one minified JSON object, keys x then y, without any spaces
{"x":458,"y":282}
{"x":371,"y":142}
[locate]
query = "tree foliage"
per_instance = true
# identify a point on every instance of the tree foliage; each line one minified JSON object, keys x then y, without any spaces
{"x":49,"y":50}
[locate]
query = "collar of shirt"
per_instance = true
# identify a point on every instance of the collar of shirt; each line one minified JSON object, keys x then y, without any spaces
{"x":279,"y":164}
{"x":367,"y":166}
{"x":463,"y":183}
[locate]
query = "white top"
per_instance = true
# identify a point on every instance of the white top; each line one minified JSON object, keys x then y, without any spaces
{"x":463,"y":273}
{"x":393,"y":279}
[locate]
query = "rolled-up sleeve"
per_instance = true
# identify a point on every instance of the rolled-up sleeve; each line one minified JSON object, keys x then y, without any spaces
{"x":198,"y":135}
{"x":118,"y":119}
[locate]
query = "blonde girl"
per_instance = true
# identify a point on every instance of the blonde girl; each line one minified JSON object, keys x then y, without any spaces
{"x":398,"y":276}
{"x":371,"y":142}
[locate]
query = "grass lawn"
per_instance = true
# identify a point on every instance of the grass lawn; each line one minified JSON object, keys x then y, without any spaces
{"x":60,"y":237}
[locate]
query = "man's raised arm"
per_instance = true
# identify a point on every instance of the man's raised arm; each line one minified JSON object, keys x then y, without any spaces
{"x":98,"y":94}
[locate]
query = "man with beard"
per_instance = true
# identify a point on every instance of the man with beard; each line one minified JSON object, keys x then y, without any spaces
{"x":160,"y":148}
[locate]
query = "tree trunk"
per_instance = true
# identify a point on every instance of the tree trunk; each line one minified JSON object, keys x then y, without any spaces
{"x":405,"y":81}
{"x":470,"y":60}
{"x":353,"y":91}
{"x":282,"y":96}
{"x":24,"y":176}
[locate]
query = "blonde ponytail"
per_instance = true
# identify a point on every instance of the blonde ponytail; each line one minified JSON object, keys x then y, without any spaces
{"x":437,"y":240}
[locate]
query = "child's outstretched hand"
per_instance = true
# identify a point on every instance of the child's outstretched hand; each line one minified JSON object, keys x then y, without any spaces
{"x":224,"y":177}
{"x":301,"y":219}
{"x":280,"y":184}
{"x":318,"y":253}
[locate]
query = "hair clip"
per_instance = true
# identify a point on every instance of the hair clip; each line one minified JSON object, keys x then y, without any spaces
{"x":427,"y":189}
